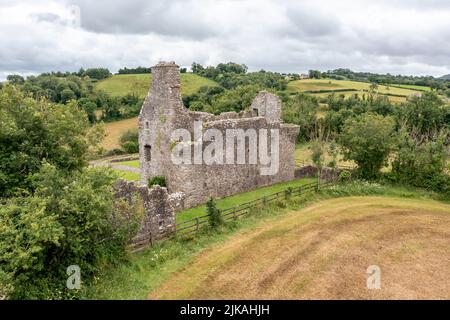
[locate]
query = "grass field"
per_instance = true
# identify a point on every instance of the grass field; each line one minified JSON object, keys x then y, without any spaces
{"x":303,"y":156}
{"x":231,"y":201}
{"x":127,"y":175}
{"x":314,"y":236}
{"x":328,"y":84}
{"x":114,"y":130}
{"x":324,"y":251}
{"x":120,"y":85}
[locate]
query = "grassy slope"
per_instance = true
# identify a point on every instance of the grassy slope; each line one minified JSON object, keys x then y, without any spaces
{"x":306,"y":254}
{"x":328,"y":84}
{"x":147,"y":270}
{"x":120,"y":85}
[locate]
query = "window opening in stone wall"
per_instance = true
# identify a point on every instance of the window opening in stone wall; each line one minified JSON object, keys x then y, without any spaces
{"x":148,"y":153}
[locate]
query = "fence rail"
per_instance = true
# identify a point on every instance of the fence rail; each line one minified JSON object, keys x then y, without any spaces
{"x":191,"y":226}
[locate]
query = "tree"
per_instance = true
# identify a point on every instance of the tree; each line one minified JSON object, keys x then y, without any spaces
{"x":368,"y":140}
{"x":214,"y":216}
{"x":129,"y":141}
{"x":15,"y":79}
{"x":314,"y":74}
{"x":35,"y":131}
{"x":67,"y":95}
{"x":97,"y":73}
{"x":69,"y":220}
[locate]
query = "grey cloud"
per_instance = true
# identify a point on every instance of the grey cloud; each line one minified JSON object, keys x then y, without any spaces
{"x":169,"y":18}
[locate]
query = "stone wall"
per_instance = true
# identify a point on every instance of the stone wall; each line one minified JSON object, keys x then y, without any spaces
{"x":159,"y":210}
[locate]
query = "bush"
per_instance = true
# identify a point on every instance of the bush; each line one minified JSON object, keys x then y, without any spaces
{"x":68,"y":221}
{"x":129,"y":141}
{"x":158,"y":180}
{"x":214,"y":216}
{"x":345,"y":176}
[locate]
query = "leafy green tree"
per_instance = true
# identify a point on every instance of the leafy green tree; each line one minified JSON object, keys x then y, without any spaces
{"x":67,"y":95}
{"x":129,"y":141}
{"x":15,"y":79}
{"x":97,"y":73}
{"x":425,"y":114}
{"x":368,"y":140}
{"x":32,"y":132}
{"x":302,"y":109}
{"x":69,"y":220}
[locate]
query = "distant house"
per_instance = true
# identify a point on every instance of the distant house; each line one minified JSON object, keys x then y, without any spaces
{"x":304,"y":76}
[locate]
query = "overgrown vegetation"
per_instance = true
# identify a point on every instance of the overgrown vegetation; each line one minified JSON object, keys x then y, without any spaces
{"x":54,"y":211}
{"x":157,"y":181}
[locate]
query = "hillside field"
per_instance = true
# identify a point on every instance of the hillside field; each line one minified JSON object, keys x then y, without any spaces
{"x":139,"y":84}
{"x":329,"y":84}
{"x":323,"y":252}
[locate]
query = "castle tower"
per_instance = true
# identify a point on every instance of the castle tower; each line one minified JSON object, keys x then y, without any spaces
{"x":162,"y":104}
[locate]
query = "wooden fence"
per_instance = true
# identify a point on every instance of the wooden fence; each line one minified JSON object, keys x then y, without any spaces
{"x":194,"y":225}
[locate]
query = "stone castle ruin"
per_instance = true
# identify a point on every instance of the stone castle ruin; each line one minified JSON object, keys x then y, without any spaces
{"x":193,"y":182}
{"x":163,"y":112}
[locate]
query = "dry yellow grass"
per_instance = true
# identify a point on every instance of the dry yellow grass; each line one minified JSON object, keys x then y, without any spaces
{"x":114,"y":130}
{"x":323,"y":252}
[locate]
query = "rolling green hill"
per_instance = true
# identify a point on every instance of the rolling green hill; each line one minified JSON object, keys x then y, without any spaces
{"x":319,"y":87}
{"x":123,"y":84}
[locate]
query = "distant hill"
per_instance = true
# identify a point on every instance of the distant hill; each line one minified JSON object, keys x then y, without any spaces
{"x":446,"y":77}
{"x":122,"y":84}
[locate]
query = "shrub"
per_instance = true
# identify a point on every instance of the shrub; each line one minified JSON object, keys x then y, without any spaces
{"x":214,"y":216}
{"x":345,"y":176}
{"x":129,"y":141}
{"x":67,"y":221}
{"x":158,"y":180}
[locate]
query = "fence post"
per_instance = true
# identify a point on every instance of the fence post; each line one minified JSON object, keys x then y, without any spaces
{"x":234,"y":213}
{"x":197,"y":224}
{"x":264,"y":201}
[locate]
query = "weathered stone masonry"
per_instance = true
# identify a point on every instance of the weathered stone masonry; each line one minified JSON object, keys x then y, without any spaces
{"x":163,"y":112}
{"x":189,"y":185}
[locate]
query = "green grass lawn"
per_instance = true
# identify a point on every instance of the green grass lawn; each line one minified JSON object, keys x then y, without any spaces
{"x":235,"y":200}
{"x":134,"y":163}
{"x":127,"y":175}
{"x":139,"y":84}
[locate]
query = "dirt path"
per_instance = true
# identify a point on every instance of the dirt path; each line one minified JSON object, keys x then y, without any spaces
{"x":323,"y":252}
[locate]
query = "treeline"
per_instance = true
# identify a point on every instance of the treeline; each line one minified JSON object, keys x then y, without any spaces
{"x":428,"y":81}
{"x":411,"y":139}
{"x":64,"y":87}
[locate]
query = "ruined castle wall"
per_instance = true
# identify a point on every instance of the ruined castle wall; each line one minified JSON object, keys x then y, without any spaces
{"x":158,"y":210}
{"x":163,"y":112}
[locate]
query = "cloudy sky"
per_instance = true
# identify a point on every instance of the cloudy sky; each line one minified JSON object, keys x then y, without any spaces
{"x":395,"y":36}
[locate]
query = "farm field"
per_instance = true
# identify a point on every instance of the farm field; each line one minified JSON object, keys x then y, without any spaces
{"x":123,"y":84}
{"x":302,"y":156}
{"x":114,"y":130}
{"x":305,"y":255}
{"x":328,"y":84}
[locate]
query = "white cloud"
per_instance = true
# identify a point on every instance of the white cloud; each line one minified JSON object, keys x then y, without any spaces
{"x":408,"y":37}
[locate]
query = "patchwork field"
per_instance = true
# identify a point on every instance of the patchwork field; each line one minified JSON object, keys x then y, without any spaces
{"x":123,"y":84}
{"x":323,"y":252}
{"x":328,"y":84}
